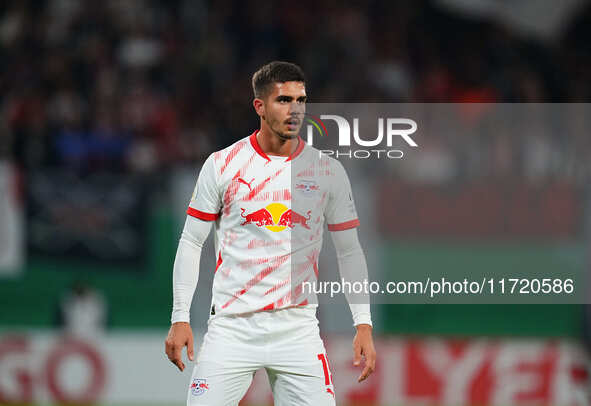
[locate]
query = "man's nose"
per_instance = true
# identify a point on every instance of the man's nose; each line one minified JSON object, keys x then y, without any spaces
{"x":296,"y":109}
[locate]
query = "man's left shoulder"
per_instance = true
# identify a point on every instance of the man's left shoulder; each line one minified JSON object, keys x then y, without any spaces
{"x":319,"y":159}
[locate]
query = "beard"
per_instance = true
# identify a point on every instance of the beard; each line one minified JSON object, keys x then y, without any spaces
{"x":286,"y":136}
{"x":276,"y":128}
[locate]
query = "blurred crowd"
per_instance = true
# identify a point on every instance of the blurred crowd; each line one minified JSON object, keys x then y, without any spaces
{"x":145,"y":85}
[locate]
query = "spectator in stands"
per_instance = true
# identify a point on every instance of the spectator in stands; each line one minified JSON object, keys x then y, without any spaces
{"x":82,"y":311}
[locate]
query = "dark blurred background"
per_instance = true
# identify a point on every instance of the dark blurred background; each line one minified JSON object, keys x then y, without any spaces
{"x":108,"y":109}
{"x":146,"y":85}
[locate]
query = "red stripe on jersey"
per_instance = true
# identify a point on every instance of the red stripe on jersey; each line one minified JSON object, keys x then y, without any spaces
{"x":250,"y":262}
{"x":277,"y":286}
{"x":271,"y":306}
{"x":288,"y":296}
{"x":229,"y":194}
{"x":299,"y":149}
{"x":217,"y":265}
{"x":202,"y":215}
{"x":300,"y":288}
{"x":256,"y":243}
{"x":284,"y":194}
{"x":255,"y":144}
{"x":233,"y":186}
{"x":265,"y":196}
{"x":344,"y":226}
{"x":257,"y":147}
{"x":322,"y":199}
{"x":315,"y":266}
{"x":268,"y":307}
{"x":232,"y":155}
{"x":283,"y":300}
{"x":308,"y":265}
{"x":306,"y":172}
{"x":258,"y":188}
{"x":278,"y":261}
{"x":301,"y":268}
{"x":313,"y":260}
{"x":229,"y":237}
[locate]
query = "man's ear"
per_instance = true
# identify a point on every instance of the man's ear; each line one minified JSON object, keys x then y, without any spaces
{"x":259,"y":107}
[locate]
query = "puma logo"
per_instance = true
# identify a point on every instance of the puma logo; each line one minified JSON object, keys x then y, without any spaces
{"x":246,"y":183}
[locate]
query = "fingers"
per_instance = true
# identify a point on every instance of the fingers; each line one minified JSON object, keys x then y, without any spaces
{"x":168,"y":348}
{"x":367,"y":371}
{"x":370,"y":365}
{"x":173,"y":352}
{"x":364,"y":374}
{"x":179,"y":336}
{"x":176,"y":360}
{"x":190,"y":347}
{"x":356,"y":354}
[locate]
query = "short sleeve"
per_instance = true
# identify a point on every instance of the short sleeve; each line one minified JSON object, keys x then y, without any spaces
{"x":340,"y":213}
{"x":205,"y":203}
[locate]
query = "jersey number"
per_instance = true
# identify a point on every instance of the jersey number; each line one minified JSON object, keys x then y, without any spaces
{"x":326,"y":368}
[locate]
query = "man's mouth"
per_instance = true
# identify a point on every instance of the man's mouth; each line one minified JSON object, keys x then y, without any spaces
{"x":292,"y":122}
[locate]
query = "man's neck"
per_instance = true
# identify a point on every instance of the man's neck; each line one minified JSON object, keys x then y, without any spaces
{"x":272,"y":144}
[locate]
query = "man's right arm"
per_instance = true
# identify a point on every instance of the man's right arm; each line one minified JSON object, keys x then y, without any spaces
{"x":184,"y":281}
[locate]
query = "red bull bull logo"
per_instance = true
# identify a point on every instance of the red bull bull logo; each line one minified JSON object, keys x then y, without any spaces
{"x":199,"y":386}
{"x":276,"y":217}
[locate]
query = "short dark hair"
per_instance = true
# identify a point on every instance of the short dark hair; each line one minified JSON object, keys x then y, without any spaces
{"x":275,"y":72}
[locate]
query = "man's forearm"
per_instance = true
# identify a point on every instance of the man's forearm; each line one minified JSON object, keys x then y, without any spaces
{"x":186,"y":267}
{"x":184,"y":279}
{"x":353,"y":268}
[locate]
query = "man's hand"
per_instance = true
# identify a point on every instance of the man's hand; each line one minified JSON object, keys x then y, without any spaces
{"x":363,"y":345}
{"x":179,"y":335}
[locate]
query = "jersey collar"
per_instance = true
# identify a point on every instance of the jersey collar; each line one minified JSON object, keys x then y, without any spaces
{"x":259,"y":150}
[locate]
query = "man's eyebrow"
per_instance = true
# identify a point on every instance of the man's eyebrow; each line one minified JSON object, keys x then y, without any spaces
{"x":284,"y":97}
{"x":302,"y":98}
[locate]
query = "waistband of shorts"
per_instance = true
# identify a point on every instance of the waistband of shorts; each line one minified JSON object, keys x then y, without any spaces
{"x":308,"y":310}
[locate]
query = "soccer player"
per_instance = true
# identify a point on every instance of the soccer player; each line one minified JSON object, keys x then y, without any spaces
{"x":268,"y":196}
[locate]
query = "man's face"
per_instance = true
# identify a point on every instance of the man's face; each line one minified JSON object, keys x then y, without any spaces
{"x":284,"y":108}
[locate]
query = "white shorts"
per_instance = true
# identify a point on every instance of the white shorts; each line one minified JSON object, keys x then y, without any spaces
{"x":285,"y":342}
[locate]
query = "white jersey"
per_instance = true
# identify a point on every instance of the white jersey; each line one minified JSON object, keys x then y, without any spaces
{"x":269,"y":214}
